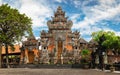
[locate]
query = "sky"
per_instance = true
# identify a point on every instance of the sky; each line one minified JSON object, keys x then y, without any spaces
{"x":87,"y":15}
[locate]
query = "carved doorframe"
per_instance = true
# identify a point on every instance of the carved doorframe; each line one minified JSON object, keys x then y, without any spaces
{"x":59,"y":50}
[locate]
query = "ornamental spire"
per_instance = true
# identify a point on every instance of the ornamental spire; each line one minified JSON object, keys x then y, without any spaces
{"x":59,"y":8}
{"x":59,"y":20}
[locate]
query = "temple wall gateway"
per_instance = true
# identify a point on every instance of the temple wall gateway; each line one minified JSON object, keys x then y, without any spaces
{"x":59,"y":45}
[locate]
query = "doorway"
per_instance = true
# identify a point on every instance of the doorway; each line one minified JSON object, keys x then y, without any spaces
{"x":60,"y":47}
{"x":31,"y":56}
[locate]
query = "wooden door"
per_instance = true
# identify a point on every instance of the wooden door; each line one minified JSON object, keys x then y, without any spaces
{"x":31,"y":56}
{"x":59,"y":51}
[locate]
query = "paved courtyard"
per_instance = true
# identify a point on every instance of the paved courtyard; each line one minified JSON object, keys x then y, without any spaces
{"x":27,"y":71}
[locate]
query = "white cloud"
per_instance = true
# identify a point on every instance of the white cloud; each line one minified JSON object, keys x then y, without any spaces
{"x":77,"y":3}
{"x":74,"y":17}
{"x":61,"y":1}
{"x":118,"y":33}
{"x":107,"y":2}
{"x":37,"y":11}
{"x":105,"y":10}
{"x":0,"y":2}
{"x":58,"y":1}
{"x":94,"y":14}
{"x":88,"y":30}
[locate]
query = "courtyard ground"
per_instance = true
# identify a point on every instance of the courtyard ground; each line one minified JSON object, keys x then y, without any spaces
{"x":28,"y":71}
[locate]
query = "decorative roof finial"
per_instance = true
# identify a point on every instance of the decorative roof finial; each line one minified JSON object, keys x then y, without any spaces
{"x":59,"y":8}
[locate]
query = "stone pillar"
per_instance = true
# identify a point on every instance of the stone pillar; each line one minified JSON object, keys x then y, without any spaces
{"x":22,"y":57}
{"x":26,"y":56}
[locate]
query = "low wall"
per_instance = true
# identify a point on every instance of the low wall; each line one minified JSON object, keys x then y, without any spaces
{"x":57,"y":66}
{"x":113,"y":58}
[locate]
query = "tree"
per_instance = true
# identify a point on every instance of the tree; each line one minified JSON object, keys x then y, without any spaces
{"x":110,"y":42}
{"x":116,"y":45}
{"x":106,"y":41}
{"x":0,"y":54}
{"x":13,"y":26}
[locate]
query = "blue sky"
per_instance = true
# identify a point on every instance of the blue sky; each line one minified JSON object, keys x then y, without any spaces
{"x":87,"y":15}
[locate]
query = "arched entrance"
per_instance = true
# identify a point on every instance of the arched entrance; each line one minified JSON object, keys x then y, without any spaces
{"x":60,"y":47}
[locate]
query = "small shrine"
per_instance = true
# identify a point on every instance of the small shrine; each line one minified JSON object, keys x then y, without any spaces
{"x":29,"y":50}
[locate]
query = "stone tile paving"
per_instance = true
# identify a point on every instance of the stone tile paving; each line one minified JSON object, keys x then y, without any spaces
{"x":28,"y":71}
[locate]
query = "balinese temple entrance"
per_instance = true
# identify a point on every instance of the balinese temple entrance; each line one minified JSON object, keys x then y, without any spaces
{"x":60,"y":47}
{"x":57,"y":44}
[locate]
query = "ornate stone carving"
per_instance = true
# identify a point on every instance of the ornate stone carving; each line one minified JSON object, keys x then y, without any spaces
{"x":70,"y":23}
{"x":60,"y":30}
{"x":49,"y":23}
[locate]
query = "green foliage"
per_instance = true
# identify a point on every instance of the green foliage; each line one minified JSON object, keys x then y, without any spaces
{"x":13,"y":25}
{"x":111,"y":41}
{"x":85,"y":53}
